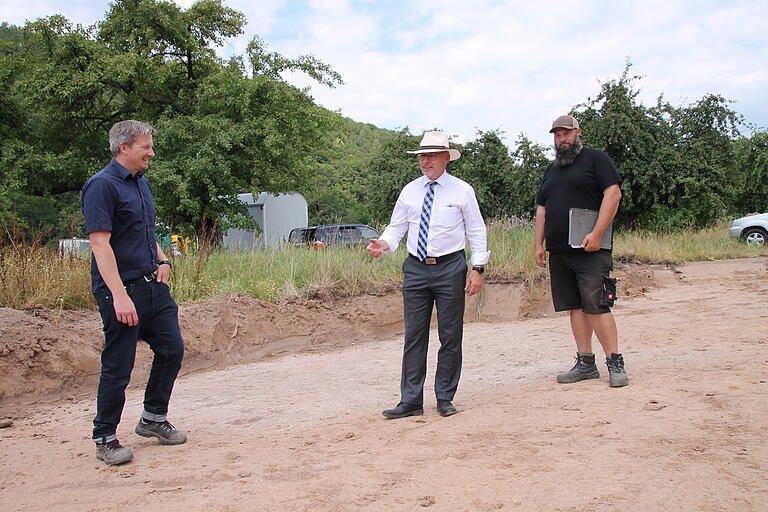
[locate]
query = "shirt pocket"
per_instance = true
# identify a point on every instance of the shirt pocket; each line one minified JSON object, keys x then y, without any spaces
{"x":446,"y":216}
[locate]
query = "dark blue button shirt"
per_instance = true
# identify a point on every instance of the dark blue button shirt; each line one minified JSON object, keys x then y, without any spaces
{"x":116,"y":201}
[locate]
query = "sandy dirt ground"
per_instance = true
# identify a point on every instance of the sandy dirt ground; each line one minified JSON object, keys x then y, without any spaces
{"x":303,"y":430}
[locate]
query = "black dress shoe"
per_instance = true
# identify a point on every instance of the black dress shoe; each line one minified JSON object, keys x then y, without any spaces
{"x":402,"y":410}
{"x":446,"y":408}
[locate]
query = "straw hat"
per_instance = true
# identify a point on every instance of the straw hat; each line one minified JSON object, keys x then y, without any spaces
{"x":435,"y":142}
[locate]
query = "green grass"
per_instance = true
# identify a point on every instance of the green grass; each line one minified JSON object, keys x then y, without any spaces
{"x":276,"y":275}
{"x":511,"y":245}
{"x":34,"y":276}
{"x":699,"y":245}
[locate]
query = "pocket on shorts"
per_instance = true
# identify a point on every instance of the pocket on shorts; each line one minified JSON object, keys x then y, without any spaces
{"x":608,"y":297}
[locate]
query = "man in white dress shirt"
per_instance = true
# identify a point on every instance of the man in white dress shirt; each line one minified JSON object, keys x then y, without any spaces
{"x":440,"y":213}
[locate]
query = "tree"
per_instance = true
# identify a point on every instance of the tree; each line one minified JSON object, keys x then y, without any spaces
{"x":10,"y":38}
{"x":272,"y":64}
{"x":222,"y":130}
{"x":751,"y":185}
{"x":614,"y":122}
{"x":181,"y":41}
{"x":388,"y":172}
{"x":530,"y":163}
{"x":338,"y":191}
{"x":702,"y":160}
{"x":486,"y":164}
{"x":676,"y":162}
{"x":248,"y":135}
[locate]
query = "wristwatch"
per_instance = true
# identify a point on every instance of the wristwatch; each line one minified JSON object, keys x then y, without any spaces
{"x":479,"y":269}
{"x":164,"y":262}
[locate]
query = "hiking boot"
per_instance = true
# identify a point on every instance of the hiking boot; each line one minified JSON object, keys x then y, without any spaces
{"x":617,"y":375}
{"x":113,"y":453}
{"x":584,"y":368}
{"x":162,"y":430}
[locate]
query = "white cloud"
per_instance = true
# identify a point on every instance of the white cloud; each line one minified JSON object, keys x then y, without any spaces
{"x":464,"y":65}
{"x":491,"y":64}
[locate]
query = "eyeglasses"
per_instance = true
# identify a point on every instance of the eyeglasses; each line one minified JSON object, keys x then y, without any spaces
{"x":429,"y":156}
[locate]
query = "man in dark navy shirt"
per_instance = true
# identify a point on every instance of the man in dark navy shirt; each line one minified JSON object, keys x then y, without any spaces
{"x":585,"y":179}
{"x":129,"y":274}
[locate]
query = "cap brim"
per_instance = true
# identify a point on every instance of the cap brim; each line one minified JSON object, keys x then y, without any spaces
{"x":566,"y":127}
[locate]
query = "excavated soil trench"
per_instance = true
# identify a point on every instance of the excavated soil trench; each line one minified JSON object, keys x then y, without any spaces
{"x":50,"y":354}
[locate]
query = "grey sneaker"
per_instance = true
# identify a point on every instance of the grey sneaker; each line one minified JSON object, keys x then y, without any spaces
{"x":584,"y":368}
{"x":162,"y":430}
{"x":113,"y":453}
{"x":617,"y":375}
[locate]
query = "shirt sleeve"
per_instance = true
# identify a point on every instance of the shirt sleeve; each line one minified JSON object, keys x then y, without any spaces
{"x":605,"y":171}
{"x":398,"y":225}
{"x":475,"y":229}
{"x":97,"y":204}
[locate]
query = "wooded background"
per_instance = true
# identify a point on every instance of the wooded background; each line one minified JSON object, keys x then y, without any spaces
{"x":231,"y":126}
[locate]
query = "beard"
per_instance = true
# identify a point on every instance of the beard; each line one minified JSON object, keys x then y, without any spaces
{"x":566,"y":156}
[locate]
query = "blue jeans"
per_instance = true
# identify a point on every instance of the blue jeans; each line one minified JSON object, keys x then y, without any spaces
{"x":159,"y":327}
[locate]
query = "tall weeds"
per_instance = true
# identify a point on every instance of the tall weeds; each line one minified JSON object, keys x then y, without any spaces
{"x":32,"y":275}
{"x":682,"y":246}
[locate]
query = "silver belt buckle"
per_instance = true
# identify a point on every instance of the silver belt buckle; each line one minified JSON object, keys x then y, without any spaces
{"x":149,"y":277}
{"x":430,"y":261}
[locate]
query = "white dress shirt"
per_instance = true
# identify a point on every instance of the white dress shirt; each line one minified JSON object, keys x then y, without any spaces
{"x":455,"y":219}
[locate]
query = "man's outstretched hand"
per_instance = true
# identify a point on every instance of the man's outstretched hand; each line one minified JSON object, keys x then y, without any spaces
{"x":377,"y":247}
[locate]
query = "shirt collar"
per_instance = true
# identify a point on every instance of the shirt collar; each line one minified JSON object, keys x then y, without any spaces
{"x":122,"y":172}
{"x":442,"y":180}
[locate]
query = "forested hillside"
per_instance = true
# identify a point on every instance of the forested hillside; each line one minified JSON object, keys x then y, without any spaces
{"x":233,"y":126}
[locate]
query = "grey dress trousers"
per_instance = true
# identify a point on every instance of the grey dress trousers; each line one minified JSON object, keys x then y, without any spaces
{"x":441,"y":284}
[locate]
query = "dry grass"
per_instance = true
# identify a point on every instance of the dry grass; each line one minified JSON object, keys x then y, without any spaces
{"x":275,"y":275}
{"x":33,"y":276}
{"x":679,"y":247}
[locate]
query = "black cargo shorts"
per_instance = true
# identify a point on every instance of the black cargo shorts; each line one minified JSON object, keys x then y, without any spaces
{"x":582,"y":280}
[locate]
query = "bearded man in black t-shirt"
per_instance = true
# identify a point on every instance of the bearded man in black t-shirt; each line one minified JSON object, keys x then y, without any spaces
{"x":585,"y":179}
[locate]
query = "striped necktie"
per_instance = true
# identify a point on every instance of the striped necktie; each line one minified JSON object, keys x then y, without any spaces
{"x":426,"y":212}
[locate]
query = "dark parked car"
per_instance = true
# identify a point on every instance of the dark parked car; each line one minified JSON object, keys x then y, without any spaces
{"x":332,"y":235}
{"x":753,"y":229}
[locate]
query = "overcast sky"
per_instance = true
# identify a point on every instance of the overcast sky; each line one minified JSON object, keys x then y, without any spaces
{"x":512,"y":65}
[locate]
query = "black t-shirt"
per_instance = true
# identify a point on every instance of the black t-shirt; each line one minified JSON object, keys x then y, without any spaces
{"x":579,"y":185}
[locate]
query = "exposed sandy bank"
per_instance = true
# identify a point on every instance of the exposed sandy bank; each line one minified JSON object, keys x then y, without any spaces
{"x":303,"y":431}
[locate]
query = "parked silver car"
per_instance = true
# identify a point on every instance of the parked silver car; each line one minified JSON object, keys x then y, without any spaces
{"x":753,"y":229}
{"x":318,"y":237}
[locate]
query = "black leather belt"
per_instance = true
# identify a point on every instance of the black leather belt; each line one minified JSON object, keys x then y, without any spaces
{"x":143,"y":279}
{"x":434,"y":260}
